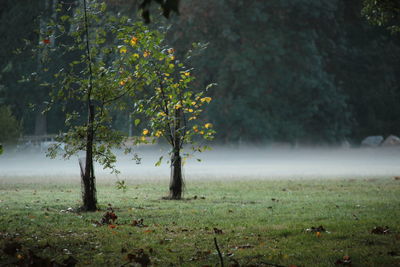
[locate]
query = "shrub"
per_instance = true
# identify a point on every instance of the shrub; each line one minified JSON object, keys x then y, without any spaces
{"x":10,"y":127}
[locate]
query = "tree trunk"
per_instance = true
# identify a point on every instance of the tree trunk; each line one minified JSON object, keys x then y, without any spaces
{"x":40,"y":124}
{"x":176,"y":180}
{"x":88,"y":178}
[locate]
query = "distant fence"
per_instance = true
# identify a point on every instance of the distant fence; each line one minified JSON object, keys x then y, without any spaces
{"x":43,"y":142}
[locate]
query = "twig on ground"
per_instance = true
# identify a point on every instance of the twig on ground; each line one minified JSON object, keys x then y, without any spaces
{"x":219,"y":252}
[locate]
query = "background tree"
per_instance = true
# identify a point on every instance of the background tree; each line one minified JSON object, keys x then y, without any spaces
{"x":305,"y":71}
{"x":10,"y":127}
{"x":383,"y":13}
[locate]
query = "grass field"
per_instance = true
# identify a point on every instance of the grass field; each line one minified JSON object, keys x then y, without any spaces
{"x":256,"y":223}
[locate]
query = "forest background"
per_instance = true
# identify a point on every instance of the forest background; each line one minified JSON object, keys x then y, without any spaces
{"x":312,"y":72}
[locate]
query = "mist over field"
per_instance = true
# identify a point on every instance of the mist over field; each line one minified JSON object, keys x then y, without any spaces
{"x":221,"y":162}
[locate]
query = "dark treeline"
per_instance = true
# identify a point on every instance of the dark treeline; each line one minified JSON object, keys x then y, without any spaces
{"x":287,"y":71}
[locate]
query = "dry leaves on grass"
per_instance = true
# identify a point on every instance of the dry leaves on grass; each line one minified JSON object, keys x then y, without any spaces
{"x":138,"y":223}
{"x":109,"y":218}
{"x":28,"y":258}
{"x":379,"y":230}
{"x":316,"y":229}
{"x":11,"y":248}
{"x":218,"y":231}
{"x":346,"y":260}
{"x":139,"y":257}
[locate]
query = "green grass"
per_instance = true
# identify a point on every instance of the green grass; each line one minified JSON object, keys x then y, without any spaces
{"x":262,"y":221}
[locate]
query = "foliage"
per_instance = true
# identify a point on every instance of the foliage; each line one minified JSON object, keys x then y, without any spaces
{"x":308,"y":77}
{"x":10,"y":128}
{"x":118,"y":75}
{"x":175,"y":107}
{"x":121,"y":185}
{"x":383,"y":13}
{"x":274,"y":86}
{"x":167,"y":7}
{"x":317,"y":73}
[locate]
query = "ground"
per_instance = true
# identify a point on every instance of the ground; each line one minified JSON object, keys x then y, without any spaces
{"x":256,"y":222}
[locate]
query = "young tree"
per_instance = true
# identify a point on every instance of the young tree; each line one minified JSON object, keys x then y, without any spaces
{"x":111,"y":70}
{"x":173,"y":111}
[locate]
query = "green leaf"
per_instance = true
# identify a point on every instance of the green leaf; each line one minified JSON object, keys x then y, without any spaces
{"x":158,"y":163}
{"x":137,"y":121}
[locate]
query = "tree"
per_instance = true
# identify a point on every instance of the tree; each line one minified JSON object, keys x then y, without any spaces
{"x":10,"y":127}
{"x":273,"y":86}
{"x":111,"y":69}
{"x":173,"y":111}
{"x":383,"y":13}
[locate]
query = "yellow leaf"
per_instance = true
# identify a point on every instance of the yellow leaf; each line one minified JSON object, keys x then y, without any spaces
{"x":187,"y":73}
{"x":192,"y":118}
{"x":190,"y":110}
{"x":193,"y":103}
{"x":123,"y":50}
{"x":158,"y":134}
{"x":133,"y":41}
{"x":146,"y":53}
{"x":166,"y":74}
{"x":171,"y":66}
{"x":122,"y":83}
{"x":177,"y":106}
{"x":172,"y":57}
{"x":136,"y":55}
{"x":170,"y":50}
{"x":206,"y":99}
{"x":162,"y":114}
{"x":208,"y":125}
{"x":145,"y":132}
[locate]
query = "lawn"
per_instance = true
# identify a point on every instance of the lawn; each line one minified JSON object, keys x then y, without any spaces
{"x":255,"y":223}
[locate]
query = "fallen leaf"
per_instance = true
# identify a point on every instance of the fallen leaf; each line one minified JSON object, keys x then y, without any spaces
{"x":346,"y":260}
{"x":139,"y":257}
{"x":11,"y":248}
{"x":218,"y":231}
{"x":393,"y":253}
{"x":379,"y":230}
{"x":138,"y":223}
{"x":245,"y":246}
{"x":70,"y":261}
{"x":316,"y":229}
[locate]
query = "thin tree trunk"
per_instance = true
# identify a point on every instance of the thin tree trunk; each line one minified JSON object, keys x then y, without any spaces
{"x":176,"y":179}
{"x":88,"y":178}
{"x":40,"y":124}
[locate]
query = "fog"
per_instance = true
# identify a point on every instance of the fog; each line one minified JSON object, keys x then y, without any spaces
{"x":219,"y":163}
